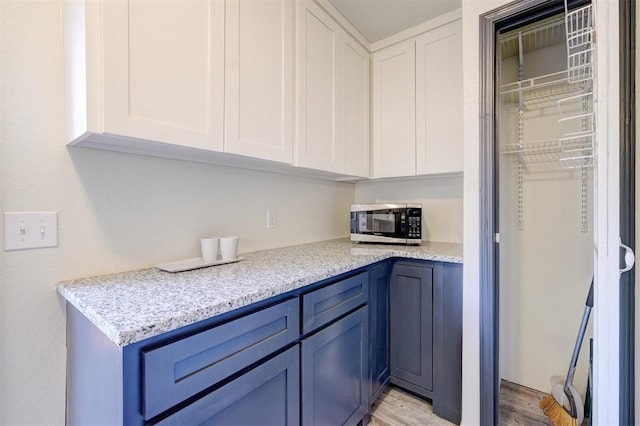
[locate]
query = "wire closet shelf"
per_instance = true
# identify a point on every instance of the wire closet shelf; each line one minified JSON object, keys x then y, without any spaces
{"x":571,"y":90}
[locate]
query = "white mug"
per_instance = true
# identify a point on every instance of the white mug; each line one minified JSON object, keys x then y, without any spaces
{"x":209,"y":246}
{"x":229,"y":248}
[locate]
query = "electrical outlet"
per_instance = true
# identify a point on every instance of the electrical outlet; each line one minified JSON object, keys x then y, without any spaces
{"x":26,"y":230}
{"x":272,"y":219}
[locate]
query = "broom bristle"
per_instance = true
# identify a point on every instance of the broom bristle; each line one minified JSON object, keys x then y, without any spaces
{"x":556,"y":412}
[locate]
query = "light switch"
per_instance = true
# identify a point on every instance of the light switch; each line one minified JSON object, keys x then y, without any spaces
{"x":26,"y":230}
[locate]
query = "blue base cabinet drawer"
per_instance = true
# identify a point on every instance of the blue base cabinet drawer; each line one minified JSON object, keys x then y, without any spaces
{"x":179,"y":370}
{"x":326,"y":304}
{"x":268,"y":395}
{"x":334,"y":372}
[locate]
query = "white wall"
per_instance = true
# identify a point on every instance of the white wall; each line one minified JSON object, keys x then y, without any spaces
{"x":116,"y":211}
{"x":441,"y":199}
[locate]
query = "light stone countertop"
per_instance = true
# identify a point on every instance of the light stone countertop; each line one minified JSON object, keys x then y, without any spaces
{"x":131,"y":306}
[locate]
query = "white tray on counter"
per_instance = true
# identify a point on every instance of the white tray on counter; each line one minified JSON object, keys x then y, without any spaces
{"x":193,"y":263}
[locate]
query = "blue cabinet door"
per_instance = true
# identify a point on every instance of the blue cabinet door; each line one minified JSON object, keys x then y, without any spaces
{"x":412,"y":327}
{"x":378,"y":329}
{"x":334,"y":372}
{"x":268,"y":395}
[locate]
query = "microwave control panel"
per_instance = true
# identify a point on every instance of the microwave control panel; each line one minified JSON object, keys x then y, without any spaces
{"x":414,"y":221}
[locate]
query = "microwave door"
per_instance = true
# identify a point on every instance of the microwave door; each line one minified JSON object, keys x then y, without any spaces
{"x":381,"y":223}
{"x":384,"y":224}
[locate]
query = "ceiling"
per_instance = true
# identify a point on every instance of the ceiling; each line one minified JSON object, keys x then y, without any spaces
{"x":378,"y":19}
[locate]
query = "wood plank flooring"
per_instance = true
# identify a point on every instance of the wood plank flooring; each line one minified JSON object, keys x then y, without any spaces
{"x":518,"y":407}
{"x":398,"y":408}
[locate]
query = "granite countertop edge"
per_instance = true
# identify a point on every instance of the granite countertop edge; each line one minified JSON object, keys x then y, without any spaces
{"x":132,"y":306}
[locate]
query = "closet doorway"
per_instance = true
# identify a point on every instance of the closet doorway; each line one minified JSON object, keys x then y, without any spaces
{"x":544,"y":216}
{"x":551,"y":180}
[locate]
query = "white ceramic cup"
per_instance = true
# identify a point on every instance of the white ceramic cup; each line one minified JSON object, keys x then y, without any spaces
{"x":229,"y":248}
{"x":209,"y":246}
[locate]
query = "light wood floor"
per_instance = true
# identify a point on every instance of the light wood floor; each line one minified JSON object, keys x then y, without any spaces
{"x":398,"y":408}
{"x":518,"y":406}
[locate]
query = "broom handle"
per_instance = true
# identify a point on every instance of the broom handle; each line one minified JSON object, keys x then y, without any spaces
{"x":576,"y":350}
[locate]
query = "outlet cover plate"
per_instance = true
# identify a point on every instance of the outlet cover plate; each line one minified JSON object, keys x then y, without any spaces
{"x":27,"y":230}
{"x":272,"y":219}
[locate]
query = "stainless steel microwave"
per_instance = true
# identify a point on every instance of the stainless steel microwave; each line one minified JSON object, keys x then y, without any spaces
{"x":386,"y":223}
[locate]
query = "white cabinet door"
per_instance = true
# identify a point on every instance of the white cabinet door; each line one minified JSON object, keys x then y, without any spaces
{"x":439,"y":100}
{"x":394,"y":122}
{"x":317,"y":134}
{"x":259,"y":79}
{"x":163,"y":68}
{"x":354,"y":108}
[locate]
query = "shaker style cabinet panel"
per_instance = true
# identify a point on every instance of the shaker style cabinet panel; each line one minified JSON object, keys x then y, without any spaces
{"x":426,"y":333}
{"x":322,"y":306}
{"x":378,"y":329}
{"x":334,"y":372}
{"x":333,"y":95}
{"x":318,"y":38}
{"x":259,"y":79}
{"x":412,"y":326}
{"x":354,"y":98}
{"x":163,"y":71}
{"x":439,"y":100}
{"x":394,"y":114}
{"x":181,"y":369}
{"x":267,"y":395}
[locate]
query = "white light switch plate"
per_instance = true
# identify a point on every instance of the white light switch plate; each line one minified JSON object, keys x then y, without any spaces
{"x":26,"y":230}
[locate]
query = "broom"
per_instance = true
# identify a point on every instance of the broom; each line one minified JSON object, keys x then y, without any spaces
{"x":564,"y":405}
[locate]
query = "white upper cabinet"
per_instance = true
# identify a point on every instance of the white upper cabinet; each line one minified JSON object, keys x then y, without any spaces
{"x":333,"y":95}
{"x":317,"y":139}
{"x":439,"y":144}
{"x":163,"y":68}
{"x":417,"y":105}
{"x":279,"y":80}
{"x":394,"y":111}
{"x":259,"y":79}
{"x":355,"y":106}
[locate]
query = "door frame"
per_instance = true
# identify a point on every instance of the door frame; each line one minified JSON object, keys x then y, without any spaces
{"x":627,"y":207}
{"x":489,"y":307}
{"x":609,"y":395}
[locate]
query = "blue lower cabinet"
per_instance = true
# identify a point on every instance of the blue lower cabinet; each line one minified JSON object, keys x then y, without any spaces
{"x":334,"y":372}
{"x":378,"y":330}
{"x":322,"y":306}
{"x":412,"y":326}
{"x":426,"y":333}
{"x":267,"y":395}
{"x":178,"y":370}
{"x":242,"y":368}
